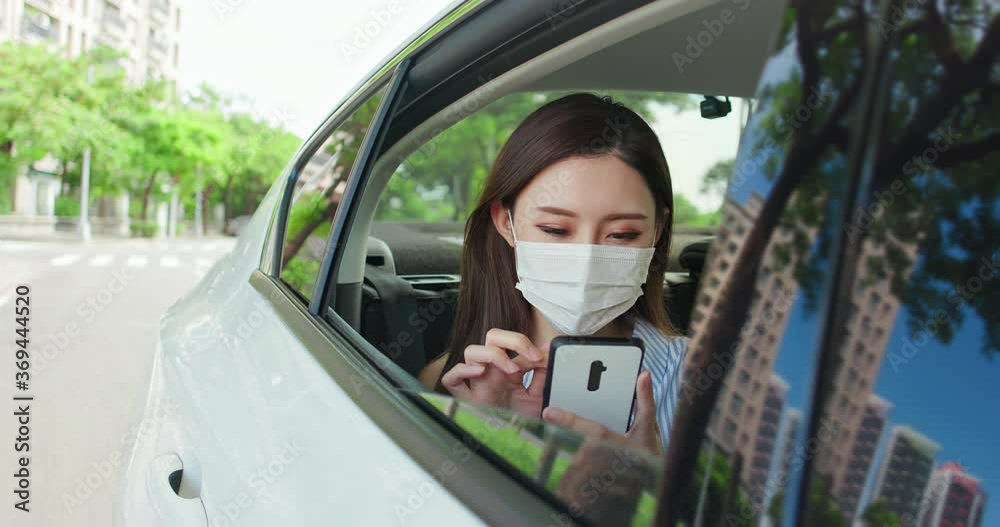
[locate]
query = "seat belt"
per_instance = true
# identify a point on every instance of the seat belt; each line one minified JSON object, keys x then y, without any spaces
{"x":398,"y":302}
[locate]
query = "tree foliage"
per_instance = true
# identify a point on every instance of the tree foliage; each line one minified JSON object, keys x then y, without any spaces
{"x":142,"y":140}
{"x":879,"y":514}
{"x":441,"y":181}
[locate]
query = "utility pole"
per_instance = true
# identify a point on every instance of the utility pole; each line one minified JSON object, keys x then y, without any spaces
{"x":703,"y":495}
{"x":175,"y":211}
{"x":199,"y":224}
{"x":84,"y":224}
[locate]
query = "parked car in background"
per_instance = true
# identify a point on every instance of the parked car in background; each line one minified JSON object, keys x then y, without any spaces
{"x":844,"y":324}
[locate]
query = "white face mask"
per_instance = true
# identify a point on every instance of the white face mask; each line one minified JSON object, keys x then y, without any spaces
{"x":580,"y":288}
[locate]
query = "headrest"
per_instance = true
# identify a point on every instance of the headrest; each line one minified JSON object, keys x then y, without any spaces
{"x":692,"y":256}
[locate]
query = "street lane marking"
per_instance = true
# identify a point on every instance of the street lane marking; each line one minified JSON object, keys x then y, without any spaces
{"x":169,"y":261}
{"x":136,"y":261}
{"x":64,"y":260}
{"x":3,"y":299}
{"x":16,"y":246}
{"x":203,"y":262}
{"x":100,"y":260}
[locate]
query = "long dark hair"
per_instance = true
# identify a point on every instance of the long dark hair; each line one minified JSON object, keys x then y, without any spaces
{"x":580,"y":124}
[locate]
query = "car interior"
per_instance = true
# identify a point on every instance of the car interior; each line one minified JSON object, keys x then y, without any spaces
{"x":407,"y":269}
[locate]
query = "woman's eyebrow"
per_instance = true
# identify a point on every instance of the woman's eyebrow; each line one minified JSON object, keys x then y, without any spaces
{"x":610,"y":217}
{"x":557,"y":211}
{"x":625,"y":216}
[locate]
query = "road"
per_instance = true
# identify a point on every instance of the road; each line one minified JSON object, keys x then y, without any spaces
{"x":95,"y":310}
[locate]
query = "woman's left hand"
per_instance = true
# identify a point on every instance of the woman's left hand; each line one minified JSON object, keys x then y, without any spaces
{"x":644,"y":432}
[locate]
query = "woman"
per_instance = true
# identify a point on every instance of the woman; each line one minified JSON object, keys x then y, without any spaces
{"x":582,"y":185}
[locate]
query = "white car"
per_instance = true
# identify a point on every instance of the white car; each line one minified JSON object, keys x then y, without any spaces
{"x":283,"y":390}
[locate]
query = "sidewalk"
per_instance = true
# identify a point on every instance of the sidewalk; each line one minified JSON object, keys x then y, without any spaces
{"x":64,"y":229}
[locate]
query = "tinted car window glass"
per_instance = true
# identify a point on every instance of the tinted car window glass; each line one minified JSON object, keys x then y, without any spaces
{"x":601,"y":482}
{"x":916,"y":365}
{"x":316,"y":195}
{"x":740,"y":439}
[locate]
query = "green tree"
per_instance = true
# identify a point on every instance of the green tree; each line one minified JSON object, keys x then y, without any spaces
{"x":823,"y":512}
{"x":714,"y":511}
{"x":178,"y":143}
{"x":686,"y":213}
{"x":107,"y":127}
{"x":257,"y":154}
{"x":717,"y":177}
{"x":776,"y":509}
{"x":140,"y":138}
{"x":878,"y":514}
{"x":50,"y":105}
{"x":442,"y":179}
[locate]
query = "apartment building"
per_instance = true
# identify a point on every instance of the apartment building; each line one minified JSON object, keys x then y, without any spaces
{"x":146,"y":30}
{"x":904,"y":472}
{"x":789,"y":454}
{"x":853,"y":408}
{"x":751,"y":390}
{"x":850,"y":475}
{"x":856,"y":414}
{"x":954,"y":498}
{"x":767,"y":434}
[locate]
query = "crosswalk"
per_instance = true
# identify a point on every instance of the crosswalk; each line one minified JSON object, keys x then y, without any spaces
{"x":64,"y":260}
{"x":181,"y":264}
{"x":168,"y":261}
{"x":19,"y":246}
{"x":166,"y":256}
{"x":100,"y":260}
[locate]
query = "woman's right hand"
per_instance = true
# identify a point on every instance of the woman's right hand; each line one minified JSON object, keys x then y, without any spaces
{"x":489,"y":376}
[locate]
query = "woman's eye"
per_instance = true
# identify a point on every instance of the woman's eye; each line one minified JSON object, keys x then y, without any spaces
{"x":555,"y":231}
{"x":626,"y":236}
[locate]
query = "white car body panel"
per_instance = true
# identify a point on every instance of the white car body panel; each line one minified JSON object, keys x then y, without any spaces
{"x":265,"y":436}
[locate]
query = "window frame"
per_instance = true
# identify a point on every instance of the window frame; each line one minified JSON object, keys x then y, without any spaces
{"x":356,"y":182}
{"x":271,"y":263}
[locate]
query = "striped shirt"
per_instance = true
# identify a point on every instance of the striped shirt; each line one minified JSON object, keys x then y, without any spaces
{"x":663,"y":358}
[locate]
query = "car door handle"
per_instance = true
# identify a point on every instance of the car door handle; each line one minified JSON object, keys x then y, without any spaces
{"x":171,"y":505}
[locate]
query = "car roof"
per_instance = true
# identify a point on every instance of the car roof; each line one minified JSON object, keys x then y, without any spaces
{"x":685,"y":54}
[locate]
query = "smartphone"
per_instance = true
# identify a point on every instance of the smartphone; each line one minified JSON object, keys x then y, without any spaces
{"x":594,"y":377}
